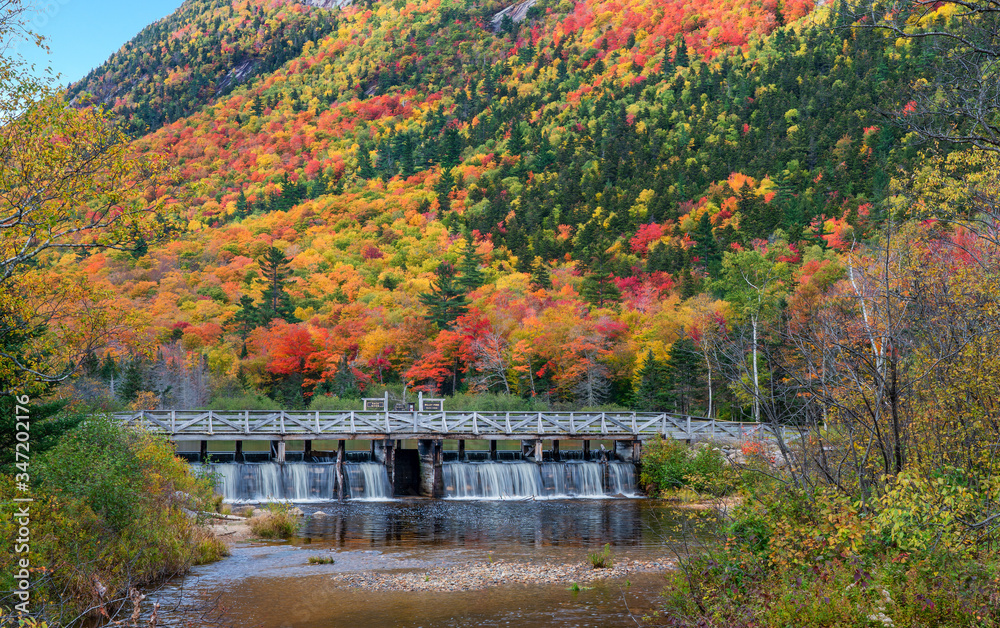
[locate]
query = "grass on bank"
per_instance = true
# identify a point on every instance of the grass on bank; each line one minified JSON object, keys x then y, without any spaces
{"x":275,"y":522}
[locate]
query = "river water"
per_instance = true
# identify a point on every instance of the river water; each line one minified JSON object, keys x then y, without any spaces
{"x":271,"y":585}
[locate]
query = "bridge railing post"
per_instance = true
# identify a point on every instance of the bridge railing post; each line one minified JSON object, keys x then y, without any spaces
{"x":690,"y":436}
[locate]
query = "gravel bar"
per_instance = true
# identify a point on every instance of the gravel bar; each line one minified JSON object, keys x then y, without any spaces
{"x":497,"y":573}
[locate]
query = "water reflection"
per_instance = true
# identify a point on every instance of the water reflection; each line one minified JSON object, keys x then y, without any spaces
{"x":491,"y":525}
{"x":271,"y":585}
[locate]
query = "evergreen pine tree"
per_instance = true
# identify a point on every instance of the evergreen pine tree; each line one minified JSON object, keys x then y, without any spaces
{"x":757,"y":219}
{"x":471,"y":277}
{"x":443,"y":189}
{"x":277,"y":303}
{"x":681,"y":58}
{"x":451,"y":147}
{"x":706,"y":247}
{"x":540,"y":279}
{"x":109,"y":373}
{"x":690,"y":285}
{"x":515,"y":143}
{"x":132,"y":381}
{"x":446,"y":301}
{"x":49,"y":422}
{"x":652,"y":395}
{"x":90,"y":365}
{"x":599,"y":285}
{"x":657,"y":259}
{"x":683,"y":371}
{"x":242,"y":206}
{"x":365,"y":168}
{"x":247,"y":318}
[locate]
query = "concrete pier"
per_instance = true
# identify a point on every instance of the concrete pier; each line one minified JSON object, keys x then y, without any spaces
{"x":431,"y":459}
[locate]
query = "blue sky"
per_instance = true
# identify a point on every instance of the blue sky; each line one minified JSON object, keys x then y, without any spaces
{"x":83,"y":33}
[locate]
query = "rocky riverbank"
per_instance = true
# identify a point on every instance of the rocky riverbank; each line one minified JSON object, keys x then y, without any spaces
{"x":471,"y":577}
{"x":229,"y":529}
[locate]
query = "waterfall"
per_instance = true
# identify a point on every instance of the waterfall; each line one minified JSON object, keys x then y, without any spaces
{"x":528,"y":480}
{"x":622,"y":479}
{"x":367,"y":481}
{"x":298,"y":482}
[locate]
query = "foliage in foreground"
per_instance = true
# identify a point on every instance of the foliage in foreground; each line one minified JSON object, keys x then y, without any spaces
{"x":814,"y":558}
{"x":113,"y":509}
{"x":670,"y":465}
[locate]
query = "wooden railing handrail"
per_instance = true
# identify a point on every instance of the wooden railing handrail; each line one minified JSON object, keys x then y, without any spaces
{"x":317,"y":423}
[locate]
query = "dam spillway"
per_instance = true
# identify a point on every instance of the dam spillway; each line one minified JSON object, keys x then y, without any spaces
{"x":299,"y":482}
{"x":317,"y":481}
{"x":527,"y":480}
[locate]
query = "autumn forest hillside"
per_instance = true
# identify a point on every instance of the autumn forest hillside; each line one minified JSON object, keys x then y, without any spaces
{"x":432,"y":195}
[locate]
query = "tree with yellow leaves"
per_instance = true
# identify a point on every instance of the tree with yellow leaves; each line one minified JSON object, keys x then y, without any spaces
{"x":69,"y":183}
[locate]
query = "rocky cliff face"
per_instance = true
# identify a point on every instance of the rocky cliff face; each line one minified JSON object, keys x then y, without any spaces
{"x":327,"y":4}
{"x":198,"y":53}
{"x":517,"y":12}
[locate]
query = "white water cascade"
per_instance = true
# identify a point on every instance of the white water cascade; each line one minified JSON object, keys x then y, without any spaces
{"x":368,"y":481}
{"x":529,"y":480}
{"x":621,"y":476}
{"x":299,"y":482}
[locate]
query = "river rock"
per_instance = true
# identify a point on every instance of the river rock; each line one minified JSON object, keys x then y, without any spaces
{"x":296,"y":512}
{"x":319,"y":513}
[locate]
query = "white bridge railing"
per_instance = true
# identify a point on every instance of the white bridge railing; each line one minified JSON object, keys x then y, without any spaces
{"x":301,"y":425}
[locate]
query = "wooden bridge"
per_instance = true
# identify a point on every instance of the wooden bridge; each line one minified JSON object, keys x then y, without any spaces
{"x":389,"y":431}
{"x":286,"y":425}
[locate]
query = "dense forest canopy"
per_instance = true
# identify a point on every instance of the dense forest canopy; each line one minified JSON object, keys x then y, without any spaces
{"x":395,"y":193}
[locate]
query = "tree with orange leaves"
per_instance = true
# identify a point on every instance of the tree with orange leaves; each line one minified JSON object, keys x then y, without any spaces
{"x":69,"y":181}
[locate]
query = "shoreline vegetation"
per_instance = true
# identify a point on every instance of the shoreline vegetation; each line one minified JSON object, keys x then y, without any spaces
{"x":114,"y":511}
{"x":774,"y":552}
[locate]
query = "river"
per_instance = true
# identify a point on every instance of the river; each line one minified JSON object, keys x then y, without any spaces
{"x":271,"y":585}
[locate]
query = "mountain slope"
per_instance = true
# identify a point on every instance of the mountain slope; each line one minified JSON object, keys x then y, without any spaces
{"x":600,"y":157}
{"x":198,"y":53}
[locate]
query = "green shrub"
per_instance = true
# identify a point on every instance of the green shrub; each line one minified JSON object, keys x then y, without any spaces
{"x":812,"y":558}
{"x":664,"y":463}
{"x":248,"y":401}
{"x":332,"y":403}
{"x":672,"y":465}
{"x":207,"y":547}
